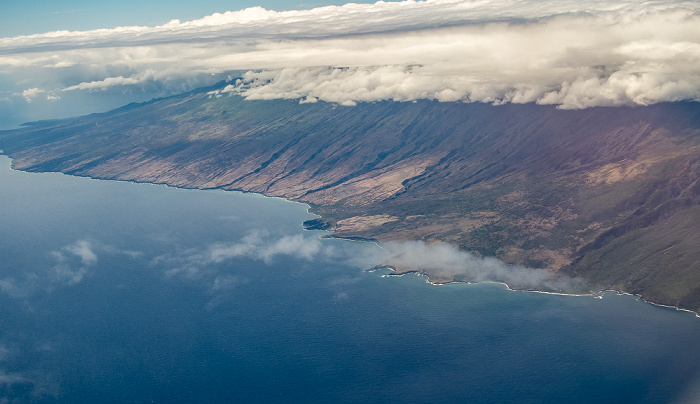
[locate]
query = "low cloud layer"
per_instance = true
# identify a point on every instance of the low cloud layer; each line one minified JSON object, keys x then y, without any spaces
{"x":443,"y":260}
{"x":448,"y":261}
{"x":574,"y":54}
{"x":257,"y":245}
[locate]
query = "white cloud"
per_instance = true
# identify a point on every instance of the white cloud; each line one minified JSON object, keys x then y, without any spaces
{"x":10,"y":287}
{"x":296,"y":246}
{"x":67,"y":271}
{"x":8,"y":379}
{"x":65,"y":274}
{"x":202,"y":263}
{"x":446,"y":260}
{"x":226,"y":282}
{"x":257,"y":245}
{"x":83,"y":250}
{"x":571,"y":53}
{"x":31,"y":93}
{"x":105,"y":83}
{"x":71,"y":263}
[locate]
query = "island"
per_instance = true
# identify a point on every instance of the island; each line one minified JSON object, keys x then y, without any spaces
{"x":608,"y":194}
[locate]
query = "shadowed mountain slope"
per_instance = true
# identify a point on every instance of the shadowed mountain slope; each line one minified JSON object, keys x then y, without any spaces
{"x":610,"y":194}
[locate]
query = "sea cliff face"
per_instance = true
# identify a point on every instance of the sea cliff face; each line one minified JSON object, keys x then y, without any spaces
{"x":609,"y":194}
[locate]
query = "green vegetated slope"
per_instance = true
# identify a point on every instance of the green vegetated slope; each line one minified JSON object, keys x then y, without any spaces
{"x":611,"y":194}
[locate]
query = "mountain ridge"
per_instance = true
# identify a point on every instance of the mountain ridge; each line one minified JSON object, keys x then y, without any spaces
{"x":611,"y":194}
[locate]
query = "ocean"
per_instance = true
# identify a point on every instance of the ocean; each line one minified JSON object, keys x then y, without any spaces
{"x":117,"y":292}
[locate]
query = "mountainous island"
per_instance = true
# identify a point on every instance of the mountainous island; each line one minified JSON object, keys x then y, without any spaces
{"x":610,"y":194}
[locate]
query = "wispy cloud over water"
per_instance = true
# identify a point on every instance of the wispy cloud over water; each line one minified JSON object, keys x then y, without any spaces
{"x":67,"y":266}
{"x":73,"y":262}
{"x":256,"y":245}
{"x":18,"y":289}
{"x":14,"y":384}
{"x":571,"y":54}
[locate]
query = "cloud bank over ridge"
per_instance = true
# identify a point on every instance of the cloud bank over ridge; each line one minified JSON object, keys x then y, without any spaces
{"x":574,"y":54}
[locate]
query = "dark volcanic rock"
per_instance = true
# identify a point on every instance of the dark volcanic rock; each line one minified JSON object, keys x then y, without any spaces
{"x":317,"y":224}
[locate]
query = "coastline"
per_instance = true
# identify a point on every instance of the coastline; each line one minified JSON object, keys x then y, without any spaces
{"x":597,"y":294}
{"x":330,"y":235}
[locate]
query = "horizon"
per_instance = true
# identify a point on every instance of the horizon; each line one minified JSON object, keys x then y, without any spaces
{"x":37,"y":17}
{"x":92,"y":58}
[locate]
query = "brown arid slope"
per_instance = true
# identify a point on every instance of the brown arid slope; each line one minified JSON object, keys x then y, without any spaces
{"x":609,"y":194}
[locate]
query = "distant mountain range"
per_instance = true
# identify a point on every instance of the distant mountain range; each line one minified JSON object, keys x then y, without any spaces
{"x":609,"y":194}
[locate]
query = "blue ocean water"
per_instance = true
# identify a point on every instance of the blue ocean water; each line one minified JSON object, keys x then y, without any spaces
{"x":118,"y":292}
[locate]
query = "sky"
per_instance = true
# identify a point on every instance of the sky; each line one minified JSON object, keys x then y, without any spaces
{"x":82,"y":57}
{"x":28,"y":17}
